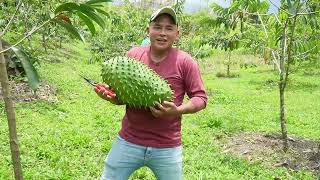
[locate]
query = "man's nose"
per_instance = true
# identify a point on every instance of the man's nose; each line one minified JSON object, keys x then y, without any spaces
{"x":163,"y":31}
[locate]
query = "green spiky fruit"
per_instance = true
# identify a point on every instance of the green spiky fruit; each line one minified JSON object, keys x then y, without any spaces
{"x":134,"y":83}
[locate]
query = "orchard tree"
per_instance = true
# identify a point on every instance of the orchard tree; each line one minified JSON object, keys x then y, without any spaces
{"x":227,"y":33}
{"x":292,"y":38}
{"x":89,"y":12}
{"x":229,"y":24}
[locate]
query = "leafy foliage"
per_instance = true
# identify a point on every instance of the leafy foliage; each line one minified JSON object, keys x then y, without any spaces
{"x":87,"y":12}
{"x":31,"y":73}
{"x":124,"y":32}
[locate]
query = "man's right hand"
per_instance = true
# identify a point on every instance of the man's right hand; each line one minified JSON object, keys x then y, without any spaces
{"x":106,"y":93}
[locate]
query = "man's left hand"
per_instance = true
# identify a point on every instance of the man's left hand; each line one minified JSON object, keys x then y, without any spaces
{"x":165,"y":109}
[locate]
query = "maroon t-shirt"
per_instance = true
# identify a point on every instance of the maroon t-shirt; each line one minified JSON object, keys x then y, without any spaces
{"x":139,"y":126}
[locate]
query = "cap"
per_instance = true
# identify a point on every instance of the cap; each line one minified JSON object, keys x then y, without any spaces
{"x":164,"y":10}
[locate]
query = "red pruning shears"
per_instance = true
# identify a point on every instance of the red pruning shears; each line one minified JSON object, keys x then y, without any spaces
{"x":99,"y":86}
{"x":90,"y":81}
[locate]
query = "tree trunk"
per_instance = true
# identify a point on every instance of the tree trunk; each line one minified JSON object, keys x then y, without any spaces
{"x":15,"y":154}
{"x":228,"y":65}
{"x":284,"y":74}
{"x":283,"y":118}
{"x":228,"y":70}
{"x":60,"y":41}
{"x":44,"y":42}
{"x":282,"y":85}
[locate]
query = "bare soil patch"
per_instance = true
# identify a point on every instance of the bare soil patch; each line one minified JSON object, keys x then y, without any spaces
{"x":303,"y":154}
{"x":21,"y":92}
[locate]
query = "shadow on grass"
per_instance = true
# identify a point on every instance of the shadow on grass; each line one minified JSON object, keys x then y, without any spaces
{"x":304,"y":154}
{"x":293,"y":85}
{"x":302,"y":85}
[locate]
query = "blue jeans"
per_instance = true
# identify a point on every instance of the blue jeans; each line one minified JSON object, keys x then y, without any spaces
{"x":124,"y":158}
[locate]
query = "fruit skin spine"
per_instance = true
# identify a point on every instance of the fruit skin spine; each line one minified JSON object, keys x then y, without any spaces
{"x":134,"y":83}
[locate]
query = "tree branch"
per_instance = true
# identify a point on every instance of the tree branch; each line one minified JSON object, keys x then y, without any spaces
{"x":315,"y":12}
{"x":257,"y":14}
{"x":290,"y":58}
{"x":279,"y":7}
{"x":11,"y":19}
{"x":282,"y":56}
{"x":264,"y":27}
{"x":33,"y":30}
{"x":274,"y":60}
{"x":277,"y":19}
{"x":304,"y":53}
{"x":198,"y":51}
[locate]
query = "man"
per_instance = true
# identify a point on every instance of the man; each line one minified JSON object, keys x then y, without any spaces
{"x":152,"y":137}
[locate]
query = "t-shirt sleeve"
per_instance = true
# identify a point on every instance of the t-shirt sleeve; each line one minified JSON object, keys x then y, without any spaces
{"x":136,"y":52}
{"x":132,"y":53}
{"x":194,"y":84}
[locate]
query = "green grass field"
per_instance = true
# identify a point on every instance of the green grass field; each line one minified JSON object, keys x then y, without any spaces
{"x":69,"y":138}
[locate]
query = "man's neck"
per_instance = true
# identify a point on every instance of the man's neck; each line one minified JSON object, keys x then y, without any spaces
{"x":158,"y":56}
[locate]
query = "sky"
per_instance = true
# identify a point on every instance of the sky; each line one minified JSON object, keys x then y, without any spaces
{"x":195,"y":5}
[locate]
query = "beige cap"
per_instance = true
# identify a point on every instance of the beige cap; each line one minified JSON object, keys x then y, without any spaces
{"x":164,"y":10}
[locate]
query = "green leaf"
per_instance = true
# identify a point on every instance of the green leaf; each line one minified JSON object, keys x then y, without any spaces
{"x":102,"y":12}
{"x":88,"y":23}
{"x":97,"y":1}
{"x":71,"y":29}
{"x":32,"y":74}
{"x":96,"y":5}
{"x":294,"y":7}
{"x":86,"y":9}
{"x":289,"y":4}
{"x":66,"y":7}
{"x":90,"y":12}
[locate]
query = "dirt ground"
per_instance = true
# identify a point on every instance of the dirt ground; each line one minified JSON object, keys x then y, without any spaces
{"x":21,"y":92}
{"x":267,"y":148}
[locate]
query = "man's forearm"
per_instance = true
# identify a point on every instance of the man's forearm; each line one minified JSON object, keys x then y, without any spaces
{"x":188,"y":108}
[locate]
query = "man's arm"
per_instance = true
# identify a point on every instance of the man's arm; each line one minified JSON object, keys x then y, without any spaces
{"x":189,"y":108}
{"x":170,"y":109}
{"x":195,"y":90}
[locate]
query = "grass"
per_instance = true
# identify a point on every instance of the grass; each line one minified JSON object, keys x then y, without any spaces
{"x":69,"y":138}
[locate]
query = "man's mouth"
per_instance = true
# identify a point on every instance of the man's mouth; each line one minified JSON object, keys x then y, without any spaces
{"x":161,"y":40}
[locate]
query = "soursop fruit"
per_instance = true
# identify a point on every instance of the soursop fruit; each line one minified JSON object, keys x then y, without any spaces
{"x":135,"y":83}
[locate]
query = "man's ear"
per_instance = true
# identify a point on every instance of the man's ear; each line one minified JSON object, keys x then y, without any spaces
{"x":178,"y":34}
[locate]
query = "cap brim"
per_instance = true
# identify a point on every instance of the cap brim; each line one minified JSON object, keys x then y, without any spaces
{"x":165,"y":10}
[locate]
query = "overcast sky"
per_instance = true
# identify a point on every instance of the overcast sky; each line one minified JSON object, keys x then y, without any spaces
{"x":195,"y":5}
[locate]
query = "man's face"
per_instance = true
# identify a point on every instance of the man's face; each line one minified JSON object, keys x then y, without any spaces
{"x":163,"y":32}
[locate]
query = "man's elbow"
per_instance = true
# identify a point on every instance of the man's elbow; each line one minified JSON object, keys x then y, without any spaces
{"x":203,"y":106}
{"x":198,"y":104}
